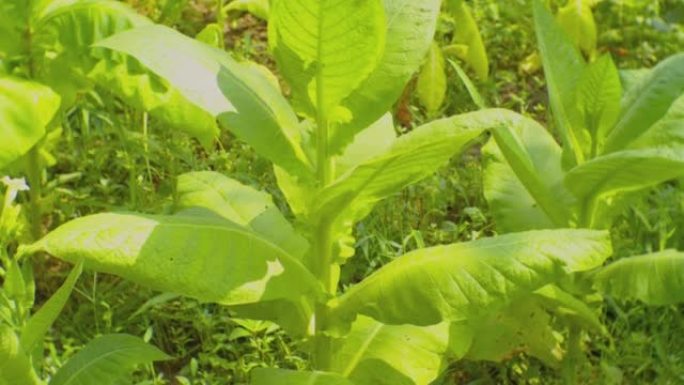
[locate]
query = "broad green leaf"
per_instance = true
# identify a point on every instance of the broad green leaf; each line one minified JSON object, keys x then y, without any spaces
{"x":207,"y":258}
{"x":239,"y":204}
{"x":647,"y":102}
{"x":522,"y":326}
{"x":269,"y":376}
{"x":467,"y":33}
{"x":563,"y":66}
{"x":25,"y":110}
{"x":377,"y":354}
{"x":668,"y":131}
{"x":410,"y":30}
{"x":106,"y":360}
{"x":38,"y":325}
{"x":577,"y":19}
{"x":523,"y":178}
{"x":625,"y":171}
{"x":564,"y":304}
{"x":326,"y":48}
{"x":598,"y":99}
{"x":15,"y":366}
{"x":258,"y":8}
{"x":655,"y":279}
{"x":466,"y":280}
{"x":431,"y":85}
{"x":472,"y":90}
{"x":239,"y":95}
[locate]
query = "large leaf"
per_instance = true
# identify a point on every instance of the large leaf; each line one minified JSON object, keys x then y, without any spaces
{"x":465,"y":280}
{"x":410,"y":30}
{"x":369,"y":143}
{"x":523,"y":176}
{"x":239,"y":204}
{"x":646,"y":102}
{"x":25,"y":109}
{"x":106,"y":360}
{"x":377,"y":354}
{"x":15,"y":365}
{"x":625,"y":171}
{"x":268,"y":376}
{"x":38,"y":325}
{"x":203,"y":257}
{"x":431,"y":85}
{"x":467,"y":33}
{"x":241,"y":96}
{"x":655,"y":279}
{"x":563,"y":66}
{"x":326,"y":48}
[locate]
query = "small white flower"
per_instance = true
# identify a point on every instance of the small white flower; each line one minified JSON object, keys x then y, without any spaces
{"x":14,"y":186}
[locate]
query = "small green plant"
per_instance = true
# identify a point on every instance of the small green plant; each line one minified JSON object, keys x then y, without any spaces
{"x":104,"y":360}
{"x":346,"y":62}
{"x":615,"y":146}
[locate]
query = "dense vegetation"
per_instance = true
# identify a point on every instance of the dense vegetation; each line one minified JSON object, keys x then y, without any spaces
{"x":350,"y":192}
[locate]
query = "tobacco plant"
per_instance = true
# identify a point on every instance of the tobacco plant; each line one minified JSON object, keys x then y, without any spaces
{"x":615,"y":145}
{"x":335,"y":155}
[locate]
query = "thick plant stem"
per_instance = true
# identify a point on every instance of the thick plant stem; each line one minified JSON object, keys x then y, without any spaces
{"x":323,"y":244}
{"x":34,"y":175}
{"x":571,"y":362}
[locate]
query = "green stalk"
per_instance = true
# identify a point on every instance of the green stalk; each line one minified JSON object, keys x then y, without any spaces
{"x":323,"y":245}
{"x":571,"y":361}
{"x":34,"y":175}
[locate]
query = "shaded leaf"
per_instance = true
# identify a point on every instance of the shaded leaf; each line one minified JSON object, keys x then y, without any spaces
{"x":268,"y":376}
{"x":431,"y":86}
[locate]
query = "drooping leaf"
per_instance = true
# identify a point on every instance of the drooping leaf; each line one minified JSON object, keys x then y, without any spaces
{"x":466,"y":280}
{"x":258,"y":8}
{"x":326,"y":48}
{"x":25,"y":110}
{"x":203,"y":257}
{"x":268,"y":376}
{"x":655,"y":279}
{"x":410,"y":30}
{"x":598,"y":99}
{"x":647,"y":102}
{"x":577,"y":19}
{"x":377,"y":354}
{"x":467,"y":33}
{"x":431,"y":86}
{"x":106,"y":360}
{"x":15,"y":366}
{"x":563,"y":66}
{"x":625,"y":171}
{"x":523,"y":178}
{"x":38,"y":325}
{"x":239,"y":95}
{"x":239,"y":204}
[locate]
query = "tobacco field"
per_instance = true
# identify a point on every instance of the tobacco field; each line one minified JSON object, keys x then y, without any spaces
{"x":341,"y":192}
